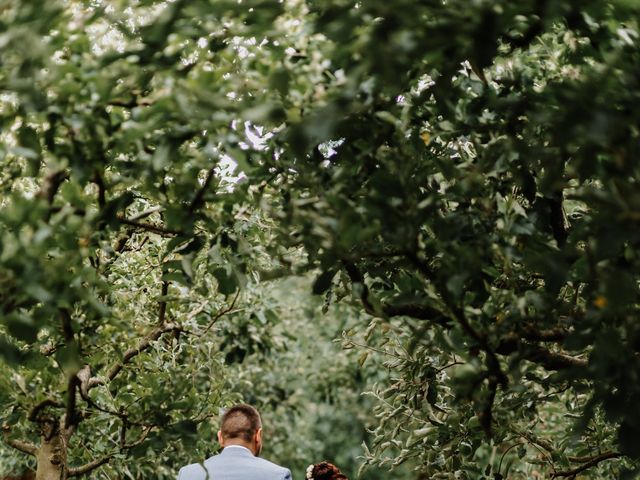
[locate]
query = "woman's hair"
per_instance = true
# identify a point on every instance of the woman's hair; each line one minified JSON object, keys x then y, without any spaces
{"x":327,"y":471}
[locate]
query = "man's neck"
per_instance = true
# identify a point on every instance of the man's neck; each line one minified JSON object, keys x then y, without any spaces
{"x":239,"y":444}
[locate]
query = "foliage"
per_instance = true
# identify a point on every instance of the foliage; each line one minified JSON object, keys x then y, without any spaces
{"x":111,"y":270}
{"x":463,"y":173}
{"x":468,"y":166}
{"x":308,"y":388}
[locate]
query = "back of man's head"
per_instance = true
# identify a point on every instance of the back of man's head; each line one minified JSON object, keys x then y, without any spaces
{"x":240,"y":422}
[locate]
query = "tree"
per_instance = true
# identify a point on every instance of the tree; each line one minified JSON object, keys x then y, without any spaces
{"x":112,"y":270}
{"x":464,"y":173}
{"x":467,"y":172}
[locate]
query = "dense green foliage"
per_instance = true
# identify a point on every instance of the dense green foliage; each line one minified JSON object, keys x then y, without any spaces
{"x":459,"y":177}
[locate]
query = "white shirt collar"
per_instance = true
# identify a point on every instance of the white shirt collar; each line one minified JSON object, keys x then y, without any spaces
{"x":238,"y":446}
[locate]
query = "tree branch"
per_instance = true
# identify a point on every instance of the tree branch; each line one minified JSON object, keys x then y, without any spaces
{"x":198,"y":199}
{"x":422,"y":312}
{"x":24,"y":447}
{"x":163,"y":302}
{"x":512,"y":343}
{"x":220,"y":314}
{"x":557,"y":218}
{"x":37,"y":408}
{"x":493,"y":364}
{"x":486,"y":415}
{"x":118,"y":414}
{"x":132,"y":352}
{"x":67,"y":328}
{"x":591,"y":463}
{"x":537,"y":354}
{"x":88,"y":467}
{"x":71,"y":417}
{"x":532,"y":439}
{"x":552,"y":360}
{"x":145,"y":213}
{"x":51,"y":184}
{"x":150,"y":227}
{"x":102,"y":188}
{"x":556,"y":335}
{"x":131,"y":103}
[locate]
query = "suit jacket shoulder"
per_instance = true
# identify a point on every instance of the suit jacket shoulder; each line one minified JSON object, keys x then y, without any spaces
{"x":234,"y":463}
{"x":195,"y":471}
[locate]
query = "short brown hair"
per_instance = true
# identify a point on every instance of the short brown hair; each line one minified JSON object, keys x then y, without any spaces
{"x":240,"y":421}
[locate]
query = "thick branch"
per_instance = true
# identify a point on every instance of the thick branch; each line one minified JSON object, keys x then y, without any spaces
{"x":538,"y":354}
{"x":475,"y":68}
{"x":88,"y":467}
{"x":486,"y":416}
{"x":24,"y":447}
{"x":37,"y":408}
{"x":67,"y":328}
{"x":585,"y":466}
{"x":552,"y":360}
{"x":71,"y":417}
{"x":557,"y":335}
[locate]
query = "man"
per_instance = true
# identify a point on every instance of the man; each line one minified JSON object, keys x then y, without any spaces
{"x":240,"y":436}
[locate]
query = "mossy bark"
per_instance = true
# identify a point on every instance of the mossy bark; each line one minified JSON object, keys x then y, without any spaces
{"x":51,"y":457}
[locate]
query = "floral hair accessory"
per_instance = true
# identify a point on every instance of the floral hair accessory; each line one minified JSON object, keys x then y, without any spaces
{"x":309,"y":475}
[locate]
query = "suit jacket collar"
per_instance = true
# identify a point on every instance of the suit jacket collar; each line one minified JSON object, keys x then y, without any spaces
{"x":236,"y":451}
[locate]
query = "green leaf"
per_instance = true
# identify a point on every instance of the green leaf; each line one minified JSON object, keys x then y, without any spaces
{"x":22,"y":327}
{"x":279,"y":80}
{"x":10,"y":352}
{"x":28,"y":139}
{"x":227,"y":282}
{"x":188,"y":428}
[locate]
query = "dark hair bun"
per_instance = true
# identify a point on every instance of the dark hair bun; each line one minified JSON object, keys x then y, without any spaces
{"x":327,"y":471}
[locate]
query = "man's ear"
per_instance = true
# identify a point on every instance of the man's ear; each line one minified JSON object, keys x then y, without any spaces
{"x":220,"y":439}
{"x":259,"y":435}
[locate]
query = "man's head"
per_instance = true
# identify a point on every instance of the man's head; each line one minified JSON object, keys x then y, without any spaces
{"x":241,"y":425}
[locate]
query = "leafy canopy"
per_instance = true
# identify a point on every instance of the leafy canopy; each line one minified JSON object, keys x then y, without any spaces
{"x":461,"y":172}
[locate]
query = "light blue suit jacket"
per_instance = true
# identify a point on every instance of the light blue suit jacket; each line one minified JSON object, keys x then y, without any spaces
{"x":234,"y":463}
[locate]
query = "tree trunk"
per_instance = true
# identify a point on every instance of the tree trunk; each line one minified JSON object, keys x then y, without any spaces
{"x":52,"y":458}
